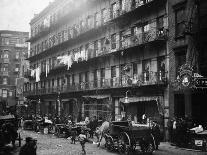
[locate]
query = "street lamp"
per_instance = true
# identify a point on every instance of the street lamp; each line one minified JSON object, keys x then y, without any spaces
{"x":126,"y":99}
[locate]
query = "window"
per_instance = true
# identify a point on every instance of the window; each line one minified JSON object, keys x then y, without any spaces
{"x":17,"y":55}
{"x":180,"y":57}
{"x":113,"y":75}
{"x":5,"y":41}
{"x":95,"y":48}
{"x":122,"y":39}
{"x":161,"y":68}
{"x":58,"y":81}
{"x":5,"y":80}
{"x":5,"y":67}
{"x":4,"y":93}
{"x":146,"y":27}
{"x":160,"y":22}
{"x":82,"y":25}
{"x":146,"y":70}
{"x":180,"y":15}
{"x":96,"y":20}
{"x":134,"y":65}
{"x":103,"y":16}
{"x":95,"y":77}
{"x":80,"y":78}
{"x":102,"y":74}
{"x":114,"y":10}
{"x":73,"y":79}
{"x":53,"y":82}
{"x":102,"y":44}
{"x":5,"y":54}
{"x":123,"y":5}
{"x":89,"y":22}
{"x":179,"y":22}
{"x":86,"y":79}
{"x":113,"y":41}
{"x":113,"y":71}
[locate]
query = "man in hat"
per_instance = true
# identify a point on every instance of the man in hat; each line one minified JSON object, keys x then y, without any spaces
{"x":29,"y":148}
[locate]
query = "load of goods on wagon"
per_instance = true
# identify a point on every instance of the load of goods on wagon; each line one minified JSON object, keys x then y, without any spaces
{"x":125,"y":136}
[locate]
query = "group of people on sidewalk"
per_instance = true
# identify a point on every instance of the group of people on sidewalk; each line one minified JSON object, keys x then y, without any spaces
{"x":179,"y":131}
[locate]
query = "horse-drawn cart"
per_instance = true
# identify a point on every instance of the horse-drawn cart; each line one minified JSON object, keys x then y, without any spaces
{"x":125,"y":137}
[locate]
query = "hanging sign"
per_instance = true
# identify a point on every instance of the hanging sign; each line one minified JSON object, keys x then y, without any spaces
{"x":185,"y":75}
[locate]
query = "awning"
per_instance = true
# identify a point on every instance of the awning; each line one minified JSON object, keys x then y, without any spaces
{"x":139,"y":99}
{"x":7,"y":117}
{"x":97,"y":96}
{"x":158,"y":99}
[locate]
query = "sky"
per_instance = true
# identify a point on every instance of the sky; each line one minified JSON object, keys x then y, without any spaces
{"x":16,"y":14}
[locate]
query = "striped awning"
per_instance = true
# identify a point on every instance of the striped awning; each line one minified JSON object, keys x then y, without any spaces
{"x":97,"y":96}
{"x":139,"y":99}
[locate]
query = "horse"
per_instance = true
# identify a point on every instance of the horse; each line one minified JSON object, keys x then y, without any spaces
{"x":101,"y":131}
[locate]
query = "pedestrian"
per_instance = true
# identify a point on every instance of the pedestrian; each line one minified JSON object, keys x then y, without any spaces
{"x":22,"y":123}
{"x":73,"y":136}
{"x":29,"y":148}
{"x":170,"y":129}
{"x":82,"y":138}
{"x":174,"y":131}
{"x":156,"y":134}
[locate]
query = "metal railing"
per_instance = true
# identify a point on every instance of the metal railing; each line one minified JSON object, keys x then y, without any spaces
{"x":145,"y":79}
{"x":113,"y":15}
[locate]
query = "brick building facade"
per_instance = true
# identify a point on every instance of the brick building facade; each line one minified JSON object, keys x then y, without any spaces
{"x":13,"y":48}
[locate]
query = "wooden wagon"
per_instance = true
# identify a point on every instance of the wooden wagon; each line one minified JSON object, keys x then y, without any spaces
{"x":125,"y":137}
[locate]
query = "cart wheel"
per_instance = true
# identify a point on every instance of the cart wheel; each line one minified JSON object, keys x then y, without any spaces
{"x":124,"y":144}
{"x":150,"y":148}
{"x":109,"y":143}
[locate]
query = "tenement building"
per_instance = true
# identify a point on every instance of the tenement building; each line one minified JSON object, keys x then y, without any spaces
{"x":104,"y":58}
{"x":13,"y":47}
{"x":188,"y":65}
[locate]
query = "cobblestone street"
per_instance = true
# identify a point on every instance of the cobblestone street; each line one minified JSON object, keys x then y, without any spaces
{"x":51,"y":145}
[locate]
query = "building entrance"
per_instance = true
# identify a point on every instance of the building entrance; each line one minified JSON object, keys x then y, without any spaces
{"x":199,"y":108}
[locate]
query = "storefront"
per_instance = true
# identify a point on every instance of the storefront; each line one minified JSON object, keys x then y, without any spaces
{"x":151,"y":106}
{"x":97,"y":105}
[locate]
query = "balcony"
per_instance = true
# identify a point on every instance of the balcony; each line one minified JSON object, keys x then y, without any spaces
{"x":154,"y":35}
{"x":150,"y":79}
{"x":90,"y":28}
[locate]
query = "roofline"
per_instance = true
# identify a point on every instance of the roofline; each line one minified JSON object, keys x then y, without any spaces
{"x":10,"y":31}
{"x":44,"y":11}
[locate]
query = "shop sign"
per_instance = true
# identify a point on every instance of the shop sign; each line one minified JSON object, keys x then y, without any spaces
{"x":201,"y":82}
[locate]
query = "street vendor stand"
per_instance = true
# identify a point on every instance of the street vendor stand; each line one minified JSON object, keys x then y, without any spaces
{"x":198,"y":139}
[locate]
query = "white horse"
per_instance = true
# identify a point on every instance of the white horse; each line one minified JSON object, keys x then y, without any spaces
{"x":100,"y":131}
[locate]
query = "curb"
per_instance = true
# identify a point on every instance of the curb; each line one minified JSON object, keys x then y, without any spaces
{"x":176,"y":147}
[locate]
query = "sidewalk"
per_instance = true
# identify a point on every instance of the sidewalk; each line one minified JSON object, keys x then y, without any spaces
{"x":169,"y":147}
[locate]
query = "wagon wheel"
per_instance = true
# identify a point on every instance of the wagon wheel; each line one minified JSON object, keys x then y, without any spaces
{"x":109,"y":143}
{"x":148,"y":146}
{"x":124,"y":143}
